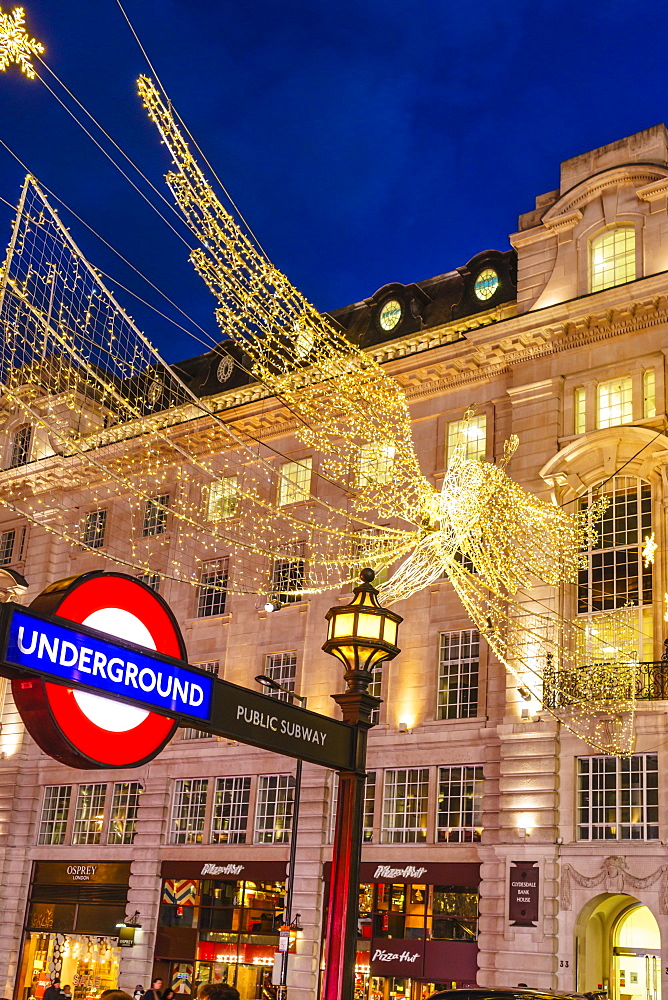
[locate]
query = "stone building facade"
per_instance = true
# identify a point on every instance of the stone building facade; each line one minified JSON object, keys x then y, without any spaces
{"x":560,"y":339}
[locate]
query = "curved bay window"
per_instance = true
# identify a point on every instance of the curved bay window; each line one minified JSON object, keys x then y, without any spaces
{"x":615,"y":576}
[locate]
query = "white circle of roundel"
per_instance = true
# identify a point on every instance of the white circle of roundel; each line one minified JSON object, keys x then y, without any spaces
{"x":115,"y":716}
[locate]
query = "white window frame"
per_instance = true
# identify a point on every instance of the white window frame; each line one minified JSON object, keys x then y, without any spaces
{"x":619,"y":266}
{"x":156,"y":512}
{"x":282,"y":668}
{"x":274,"y":804}
{"x":7,"y":544}
{"x":211,"y":593}
{"x":188,"y":813}
{"x":20,"y":446}
{"x":376,"y":464}
{"x":211,"y":667}
{"x":474,"y":433}
{"x":94,"y":528}
{"x":294,"y":482}
{"x":54,"y":816}
{"x":405,"y":805}
{"x":605,"y":559}
{"x":221,"y":501}
{"x":122,"y":826}
{"x":231,"y":810}
{"x":288,"y":576}
{"x":459,"y":807}
{"x":594,"y":815}
{"x":89,"y":813}
{"x":459,"y":675}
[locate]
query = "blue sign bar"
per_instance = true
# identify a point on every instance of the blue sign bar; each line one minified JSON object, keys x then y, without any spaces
{"x":69,"y":654}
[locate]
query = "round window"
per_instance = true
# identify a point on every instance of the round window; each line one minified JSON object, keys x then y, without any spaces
{"x":390,"y":314}
{"x":225,"y":368}
{"x":486,"y":284}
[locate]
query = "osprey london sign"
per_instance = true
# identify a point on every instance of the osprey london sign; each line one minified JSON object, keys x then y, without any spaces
{"x":523,"y":898}
{"x":118,"y":639}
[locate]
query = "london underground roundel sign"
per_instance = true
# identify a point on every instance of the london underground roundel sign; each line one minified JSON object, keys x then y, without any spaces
{"x":86,"y":730}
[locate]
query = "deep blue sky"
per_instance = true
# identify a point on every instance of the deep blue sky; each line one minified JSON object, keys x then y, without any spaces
{"x":364,"y":141}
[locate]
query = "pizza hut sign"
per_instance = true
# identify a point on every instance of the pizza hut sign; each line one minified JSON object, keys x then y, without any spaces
{"x":395,"y":957}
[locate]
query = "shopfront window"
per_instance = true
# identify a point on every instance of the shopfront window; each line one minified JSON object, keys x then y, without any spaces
{"x":74,"y":909}
{"x":236,"y":924}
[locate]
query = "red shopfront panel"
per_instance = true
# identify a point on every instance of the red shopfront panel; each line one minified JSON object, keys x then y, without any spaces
{"x":451,"y":960}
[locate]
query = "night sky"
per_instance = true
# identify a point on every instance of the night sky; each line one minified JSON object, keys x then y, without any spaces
{"x":364,"y":141}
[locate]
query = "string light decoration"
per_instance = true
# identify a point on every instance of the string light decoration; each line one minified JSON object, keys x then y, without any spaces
{"x":649,"y":549}
{"x":115,"y":428}
{"x":16,"y":46}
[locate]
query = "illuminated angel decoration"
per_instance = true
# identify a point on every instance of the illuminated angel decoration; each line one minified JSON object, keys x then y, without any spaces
{"x":118,"y":429}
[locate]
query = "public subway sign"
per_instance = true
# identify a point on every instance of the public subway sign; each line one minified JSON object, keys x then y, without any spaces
{"x":100,"y":678}
{"x":79,"y":655}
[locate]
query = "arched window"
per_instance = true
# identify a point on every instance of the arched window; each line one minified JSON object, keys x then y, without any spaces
{"x":20,"y":447}
{"x":612,"y":258}
{"x":615,"y":576}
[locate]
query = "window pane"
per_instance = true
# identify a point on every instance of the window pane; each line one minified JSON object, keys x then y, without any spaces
{"x":458,"y":675}
{"x":613,"y":258}
{"x":89,"y":815}
{"x":649,"y":393}
{"x":617,"y":798}
{"x":55,"y":812}
{"x":460,"y":804}
{"x":287,"y":580}
{"x":211,"y":667}
{"x":20,"y":452}
{"x":230,"y":811}
{"x":188,"y":811}
{"x":282,"y":668}
{"x":212,"y":588}
{"x":94,"y":529}
{"x":615,"y":402}
{"x":294,"y":483}
{"x":124,"y":806}
{"x":376,"y":463}
{"x":471,"y":433}
{"x":155,"y":516}
{"x":273,"y":812}
{"x":405,"y":806}
{"x":222,"y":499}
{"x":7,"y":539}
{"x":580,"y":407}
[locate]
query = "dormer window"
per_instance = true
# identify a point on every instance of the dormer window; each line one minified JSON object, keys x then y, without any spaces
{"x":612,"y":258}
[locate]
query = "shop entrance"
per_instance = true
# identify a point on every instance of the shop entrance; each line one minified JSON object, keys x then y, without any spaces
{"x":619,"y":949}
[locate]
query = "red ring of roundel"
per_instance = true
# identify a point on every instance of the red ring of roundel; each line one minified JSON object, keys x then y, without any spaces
{"x":91,"y":744}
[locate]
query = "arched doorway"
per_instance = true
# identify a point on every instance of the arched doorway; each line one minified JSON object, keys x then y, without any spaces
{"x":619,"y":948}
{"x":637,"y":955}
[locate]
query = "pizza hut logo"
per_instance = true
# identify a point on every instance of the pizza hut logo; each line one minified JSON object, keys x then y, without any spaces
{"x":222,"y":869}
{"x":380,"y":955}
{"x":384,"y":871}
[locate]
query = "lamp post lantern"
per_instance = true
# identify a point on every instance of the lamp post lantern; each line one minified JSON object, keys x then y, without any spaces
{"x":362,"y":635}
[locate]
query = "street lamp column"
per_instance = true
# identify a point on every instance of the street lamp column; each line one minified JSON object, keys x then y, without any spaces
{"x":269,"y":682}
{"x":362,"y":635}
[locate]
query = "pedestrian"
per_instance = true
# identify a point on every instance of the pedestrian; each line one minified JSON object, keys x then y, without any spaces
{"x":217,"y":991}
{"x":155,"y":992}
{"x":66,"y":992}
{"x":139,"y":992}
{"x":52,"y":992}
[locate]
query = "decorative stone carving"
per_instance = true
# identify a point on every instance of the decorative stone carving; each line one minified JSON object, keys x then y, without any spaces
{"x":614,"y":876}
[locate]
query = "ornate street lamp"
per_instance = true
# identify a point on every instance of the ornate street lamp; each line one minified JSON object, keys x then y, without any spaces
{"x":361,"y":635}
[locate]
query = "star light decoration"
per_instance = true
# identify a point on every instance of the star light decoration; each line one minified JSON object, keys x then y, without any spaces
{"x":649,"y":549}
{"x":117,"y":430}
{"x":16,"y":46}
